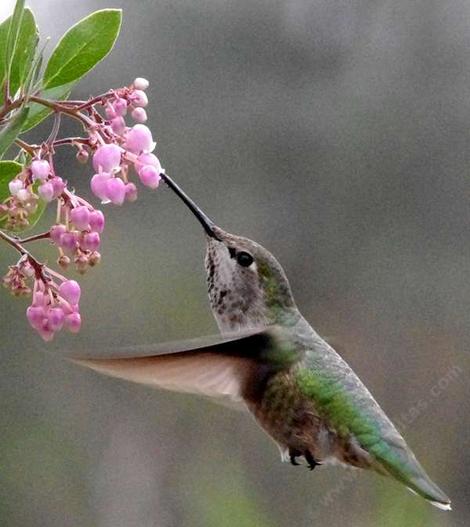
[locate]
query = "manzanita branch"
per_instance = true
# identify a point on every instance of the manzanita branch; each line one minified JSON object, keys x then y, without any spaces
{"x":115,"y":148}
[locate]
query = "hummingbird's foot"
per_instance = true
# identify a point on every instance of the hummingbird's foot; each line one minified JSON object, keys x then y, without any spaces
{"x":293,"y":454}
{"x":312,"y":463}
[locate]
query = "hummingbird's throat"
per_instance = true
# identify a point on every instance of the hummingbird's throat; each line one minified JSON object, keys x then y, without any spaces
{"x":236,"y":299}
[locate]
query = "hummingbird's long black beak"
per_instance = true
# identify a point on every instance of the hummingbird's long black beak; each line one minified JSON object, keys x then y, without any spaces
{"x":204,"y":220}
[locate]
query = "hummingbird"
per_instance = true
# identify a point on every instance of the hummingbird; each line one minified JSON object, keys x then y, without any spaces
{"x":271,"y":361}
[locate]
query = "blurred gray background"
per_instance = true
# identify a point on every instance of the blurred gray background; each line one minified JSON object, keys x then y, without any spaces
{"x":336,"y":134}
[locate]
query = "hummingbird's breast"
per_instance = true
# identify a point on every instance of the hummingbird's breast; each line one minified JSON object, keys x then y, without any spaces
{"x":293,"y":421}
{"x":288,"y":417}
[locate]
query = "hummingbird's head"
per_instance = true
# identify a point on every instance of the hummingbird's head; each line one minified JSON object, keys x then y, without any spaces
{"x":247,"y":286}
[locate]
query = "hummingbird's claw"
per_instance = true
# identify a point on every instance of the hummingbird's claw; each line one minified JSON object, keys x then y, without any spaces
{"x":312,"y":463}
{"x":293,"y":454}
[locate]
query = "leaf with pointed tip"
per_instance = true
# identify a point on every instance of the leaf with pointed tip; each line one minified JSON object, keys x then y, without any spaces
{"x":3,"y":53}
{"x":13,"y":33}
{"x":8,"y":170}
{"x":28,"y":38}
{"x":10,"y":131}
{"x":82,"y":47}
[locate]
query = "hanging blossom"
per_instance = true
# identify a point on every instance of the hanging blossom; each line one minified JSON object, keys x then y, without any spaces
{"x":121,"y":155}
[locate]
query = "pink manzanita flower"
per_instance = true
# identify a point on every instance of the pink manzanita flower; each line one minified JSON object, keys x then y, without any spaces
{"x":73,"y":322}
{"x":131,"y":192}
{"x":15,"y":186}
{"x":90,"y":241}
{"x":98,"y":185}
{"x":80,"y":217}
{"x":139,"y":98}
{"x":56,"y":232}
{"x":109,"y":111}
{"x":107,"y":158}
{"x":35,"y":316}
{"x":116,"y":190}
{"x":149,"y":176}
{"x":55,"y":317}
{"x":148,"y":159}
{"x":120,"y":106}
{"x":59,"y":186}
{"x":118,"y":125}
{"x":140,"y":83}
{"x":23,"y":194}
{"x":69,"y":290}
{"x":139,"y":139}
{"x":46,"y":191}
{"x":139,"y":115}
{"x":40,"y":168}
{"x":97,"y":221}
{"x":69,"y":241}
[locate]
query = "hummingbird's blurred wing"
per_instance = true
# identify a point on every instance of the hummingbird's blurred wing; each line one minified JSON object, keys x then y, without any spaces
{"x":212,"y":366}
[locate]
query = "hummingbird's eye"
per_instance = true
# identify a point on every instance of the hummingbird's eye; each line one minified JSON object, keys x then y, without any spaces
{"x":244,"y":259}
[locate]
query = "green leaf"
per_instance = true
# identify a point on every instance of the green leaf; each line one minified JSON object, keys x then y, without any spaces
{"x":13,"y":33}
{"x":27,"y":42}
{"x":10,"y":131}
{"x":8,"y":170}
{"x":82,"y":47}
{"x":38,"y":112}
{"x":4,"y":26}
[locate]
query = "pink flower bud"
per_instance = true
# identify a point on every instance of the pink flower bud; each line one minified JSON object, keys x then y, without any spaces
{"x":69,"y":290}
{"x":69,"y":241}
{"x":55,"y":317}
{"x":23,"y":194}
{"x":97,"y":221}
{"x":82,"y":156}
{"x":15,"y":186}
{"x":40,"y":169}
{"x":118,"y":125}
{"x":139,"y":98}
{"x":98,"y":185}
{"x":148,"y":159}
{"x":149,"y":176}
{"x":110,"y":111}
{"x":139,"y":115}
{"x":139,"y":139}
{"x":58,"y":185}
{"x":116,"y":190}
{"x":73,"y":322}
{"x":56,"y":233}
{"x":131,"y":192}
{"x":46,"y":191}
{"x":35,"y":316}
{"x":46,"y":332}
{"x":90,"y":241}
{"x":140,"y":83}
{"x":120,"y":106}
{"x":80,"y":217}
{"x":107,"y":158}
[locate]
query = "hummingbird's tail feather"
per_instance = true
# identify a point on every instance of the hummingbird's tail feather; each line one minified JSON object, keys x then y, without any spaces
{"x":400,"y":463}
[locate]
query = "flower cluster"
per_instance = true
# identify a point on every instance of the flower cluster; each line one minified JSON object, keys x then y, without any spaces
{"x":117,"y":151}
{"x":54,"y":306}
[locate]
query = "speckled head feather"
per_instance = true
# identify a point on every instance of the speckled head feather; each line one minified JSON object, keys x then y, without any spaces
{"x":247,"y":286}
